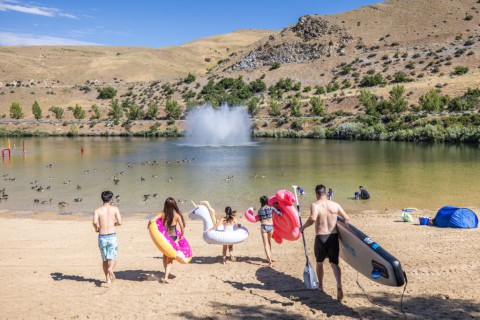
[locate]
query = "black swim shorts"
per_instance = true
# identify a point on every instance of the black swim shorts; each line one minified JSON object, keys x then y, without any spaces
{"x":330,"y":248}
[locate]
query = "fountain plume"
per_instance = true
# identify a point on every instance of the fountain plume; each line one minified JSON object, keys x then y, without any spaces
{"x":226,"y":126}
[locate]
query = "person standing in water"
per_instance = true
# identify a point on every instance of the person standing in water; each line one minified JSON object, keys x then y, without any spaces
{"x":105,"y":219}
{"x":170,"y":217}
{"x":323,"y":213}
{"x":266,"y":227}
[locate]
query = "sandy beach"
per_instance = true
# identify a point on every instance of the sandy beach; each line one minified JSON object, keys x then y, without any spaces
{"x":51,"y":269}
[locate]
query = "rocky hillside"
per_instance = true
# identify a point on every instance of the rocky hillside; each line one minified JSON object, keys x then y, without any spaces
{"x":308,"y":40}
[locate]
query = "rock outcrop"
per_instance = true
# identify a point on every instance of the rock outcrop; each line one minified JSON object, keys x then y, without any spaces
{"x":311,"y":38}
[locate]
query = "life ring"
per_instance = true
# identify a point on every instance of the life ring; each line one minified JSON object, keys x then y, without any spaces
{"x":285,"y":226}
{"x":179,"y":250}
{"x":217,"y":236}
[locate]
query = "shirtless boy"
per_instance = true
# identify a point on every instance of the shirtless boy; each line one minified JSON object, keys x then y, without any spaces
{"x":105,"y":219}
{"x":324,"y":213}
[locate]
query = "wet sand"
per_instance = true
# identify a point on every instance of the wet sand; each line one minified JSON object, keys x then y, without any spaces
{"x":51,"y":268}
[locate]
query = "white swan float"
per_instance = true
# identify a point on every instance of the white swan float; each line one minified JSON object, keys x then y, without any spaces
{"x":217,"y":236}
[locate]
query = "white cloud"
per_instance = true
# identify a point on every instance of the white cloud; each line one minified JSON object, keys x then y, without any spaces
{"x":13,"y":5}
{"x":26,"y":39}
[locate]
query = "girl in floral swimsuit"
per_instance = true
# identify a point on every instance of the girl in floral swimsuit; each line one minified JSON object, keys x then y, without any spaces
{"x":266,"y":227}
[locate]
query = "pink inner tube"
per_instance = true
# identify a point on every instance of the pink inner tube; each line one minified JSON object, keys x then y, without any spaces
{"x":182,"y":247}
{"x":284,"y":226}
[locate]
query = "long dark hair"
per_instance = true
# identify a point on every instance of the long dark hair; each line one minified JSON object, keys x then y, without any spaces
{"x":169,"y":209}
{"x":263,"y":200}
{"x":230,"y":215}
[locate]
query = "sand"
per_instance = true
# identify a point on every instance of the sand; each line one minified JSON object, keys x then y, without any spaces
{"x":51,"y":269}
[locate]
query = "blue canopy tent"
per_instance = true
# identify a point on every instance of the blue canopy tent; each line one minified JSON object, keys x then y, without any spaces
{"x":453,"y":217}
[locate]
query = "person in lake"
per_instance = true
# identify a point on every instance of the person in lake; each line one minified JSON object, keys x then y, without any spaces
{"x":323,"y":213}
{"x":171,"y":217}
{"x":266,"y":225}
{"x":228,"y":223}
{"x":364,"y":195}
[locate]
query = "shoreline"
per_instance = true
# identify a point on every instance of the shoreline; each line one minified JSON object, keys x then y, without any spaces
{"x":54,"y":261}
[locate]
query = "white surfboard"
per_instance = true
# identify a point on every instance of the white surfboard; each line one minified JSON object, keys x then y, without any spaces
{"x":367,"y":257}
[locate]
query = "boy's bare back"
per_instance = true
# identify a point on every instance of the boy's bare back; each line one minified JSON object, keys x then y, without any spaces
{"x":106,"y":218}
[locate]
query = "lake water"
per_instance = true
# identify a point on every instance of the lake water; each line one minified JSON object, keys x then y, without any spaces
{"x":396,"y":174}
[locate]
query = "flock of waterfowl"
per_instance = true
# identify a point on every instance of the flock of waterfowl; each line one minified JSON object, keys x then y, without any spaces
{"x":63,"y":204}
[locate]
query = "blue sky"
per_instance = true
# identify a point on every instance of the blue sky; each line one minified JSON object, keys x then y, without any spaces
{"x":148,"y":23}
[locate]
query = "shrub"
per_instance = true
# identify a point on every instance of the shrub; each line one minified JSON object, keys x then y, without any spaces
{"x":275,"y":65}
{"x":152,"y":111}
{"x":16,"y":111}
{"x":295,"y":105}
{"x":371,"y":81}
{"x":116,"y":111}
{"x":252,"y":106}
{"x":37,"y":111}
{"x":431,"y":101}
{"x":317,"y":107}
{"x":106,"y":93}
{"x":190,"y":78}
{"x":400,"y":77}
{"x":318,"y":132}
{"x":257,"y":86}
{"x":173,"y":109}
{"x":333,"y":86}
{"x":57,"y":111}
{"x":468,"y":17}
{"x":274,"y":108}
{"x":319,"y":89}
{"x":397,"y":99}
{"x":134,"y":112}
{"x":459,"y":70}
{"x":78,"y":112}
{"x":96,"y":112}
{"x":369,"y":101}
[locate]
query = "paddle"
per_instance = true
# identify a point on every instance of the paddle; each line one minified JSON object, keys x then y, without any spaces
{"x":309,"y":276}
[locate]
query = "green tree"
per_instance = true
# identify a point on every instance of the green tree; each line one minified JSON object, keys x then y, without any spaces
{"x":274,"y":108}
{"x":57,"y":111}
{"x":37,"y":111}
{"x":133,"y":112}
{"x":152,"y":111}
{"x":173,"y":109}
{"x":96,"y":113}
{"x":116,"y":111}
{"x":369,"y":101}
{"x":257,"y":86}
{"x":106,"y":93}
{"x":397,"y":99}
{"x":317,"y":106}
{"x":431,"y":101}
{"x":295,"y":106}
{"x":78,"y":112}
{"x":16,"y":111}
{"x":252,"y":106}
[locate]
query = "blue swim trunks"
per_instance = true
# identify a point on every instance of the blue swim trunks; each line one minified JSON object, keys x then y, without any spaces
{"x":108,"y":245}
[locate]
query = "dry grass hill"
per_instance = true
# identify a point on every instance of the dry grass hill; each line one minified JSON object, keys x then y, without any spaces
{"x":417,"y":43}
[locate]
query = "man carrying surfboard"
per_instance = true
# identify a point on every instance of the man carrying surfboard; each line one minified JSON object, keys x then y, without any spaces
{"x":323,"y":213}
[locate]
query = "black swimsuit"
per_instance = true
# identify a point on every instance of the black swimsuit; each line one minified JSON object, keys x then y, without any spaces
{"x":174,"y":228}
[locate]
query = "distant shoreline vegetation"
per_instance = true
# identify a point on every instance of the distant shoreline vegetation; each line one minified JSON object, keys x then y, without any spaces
{"x":434,"y":118}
